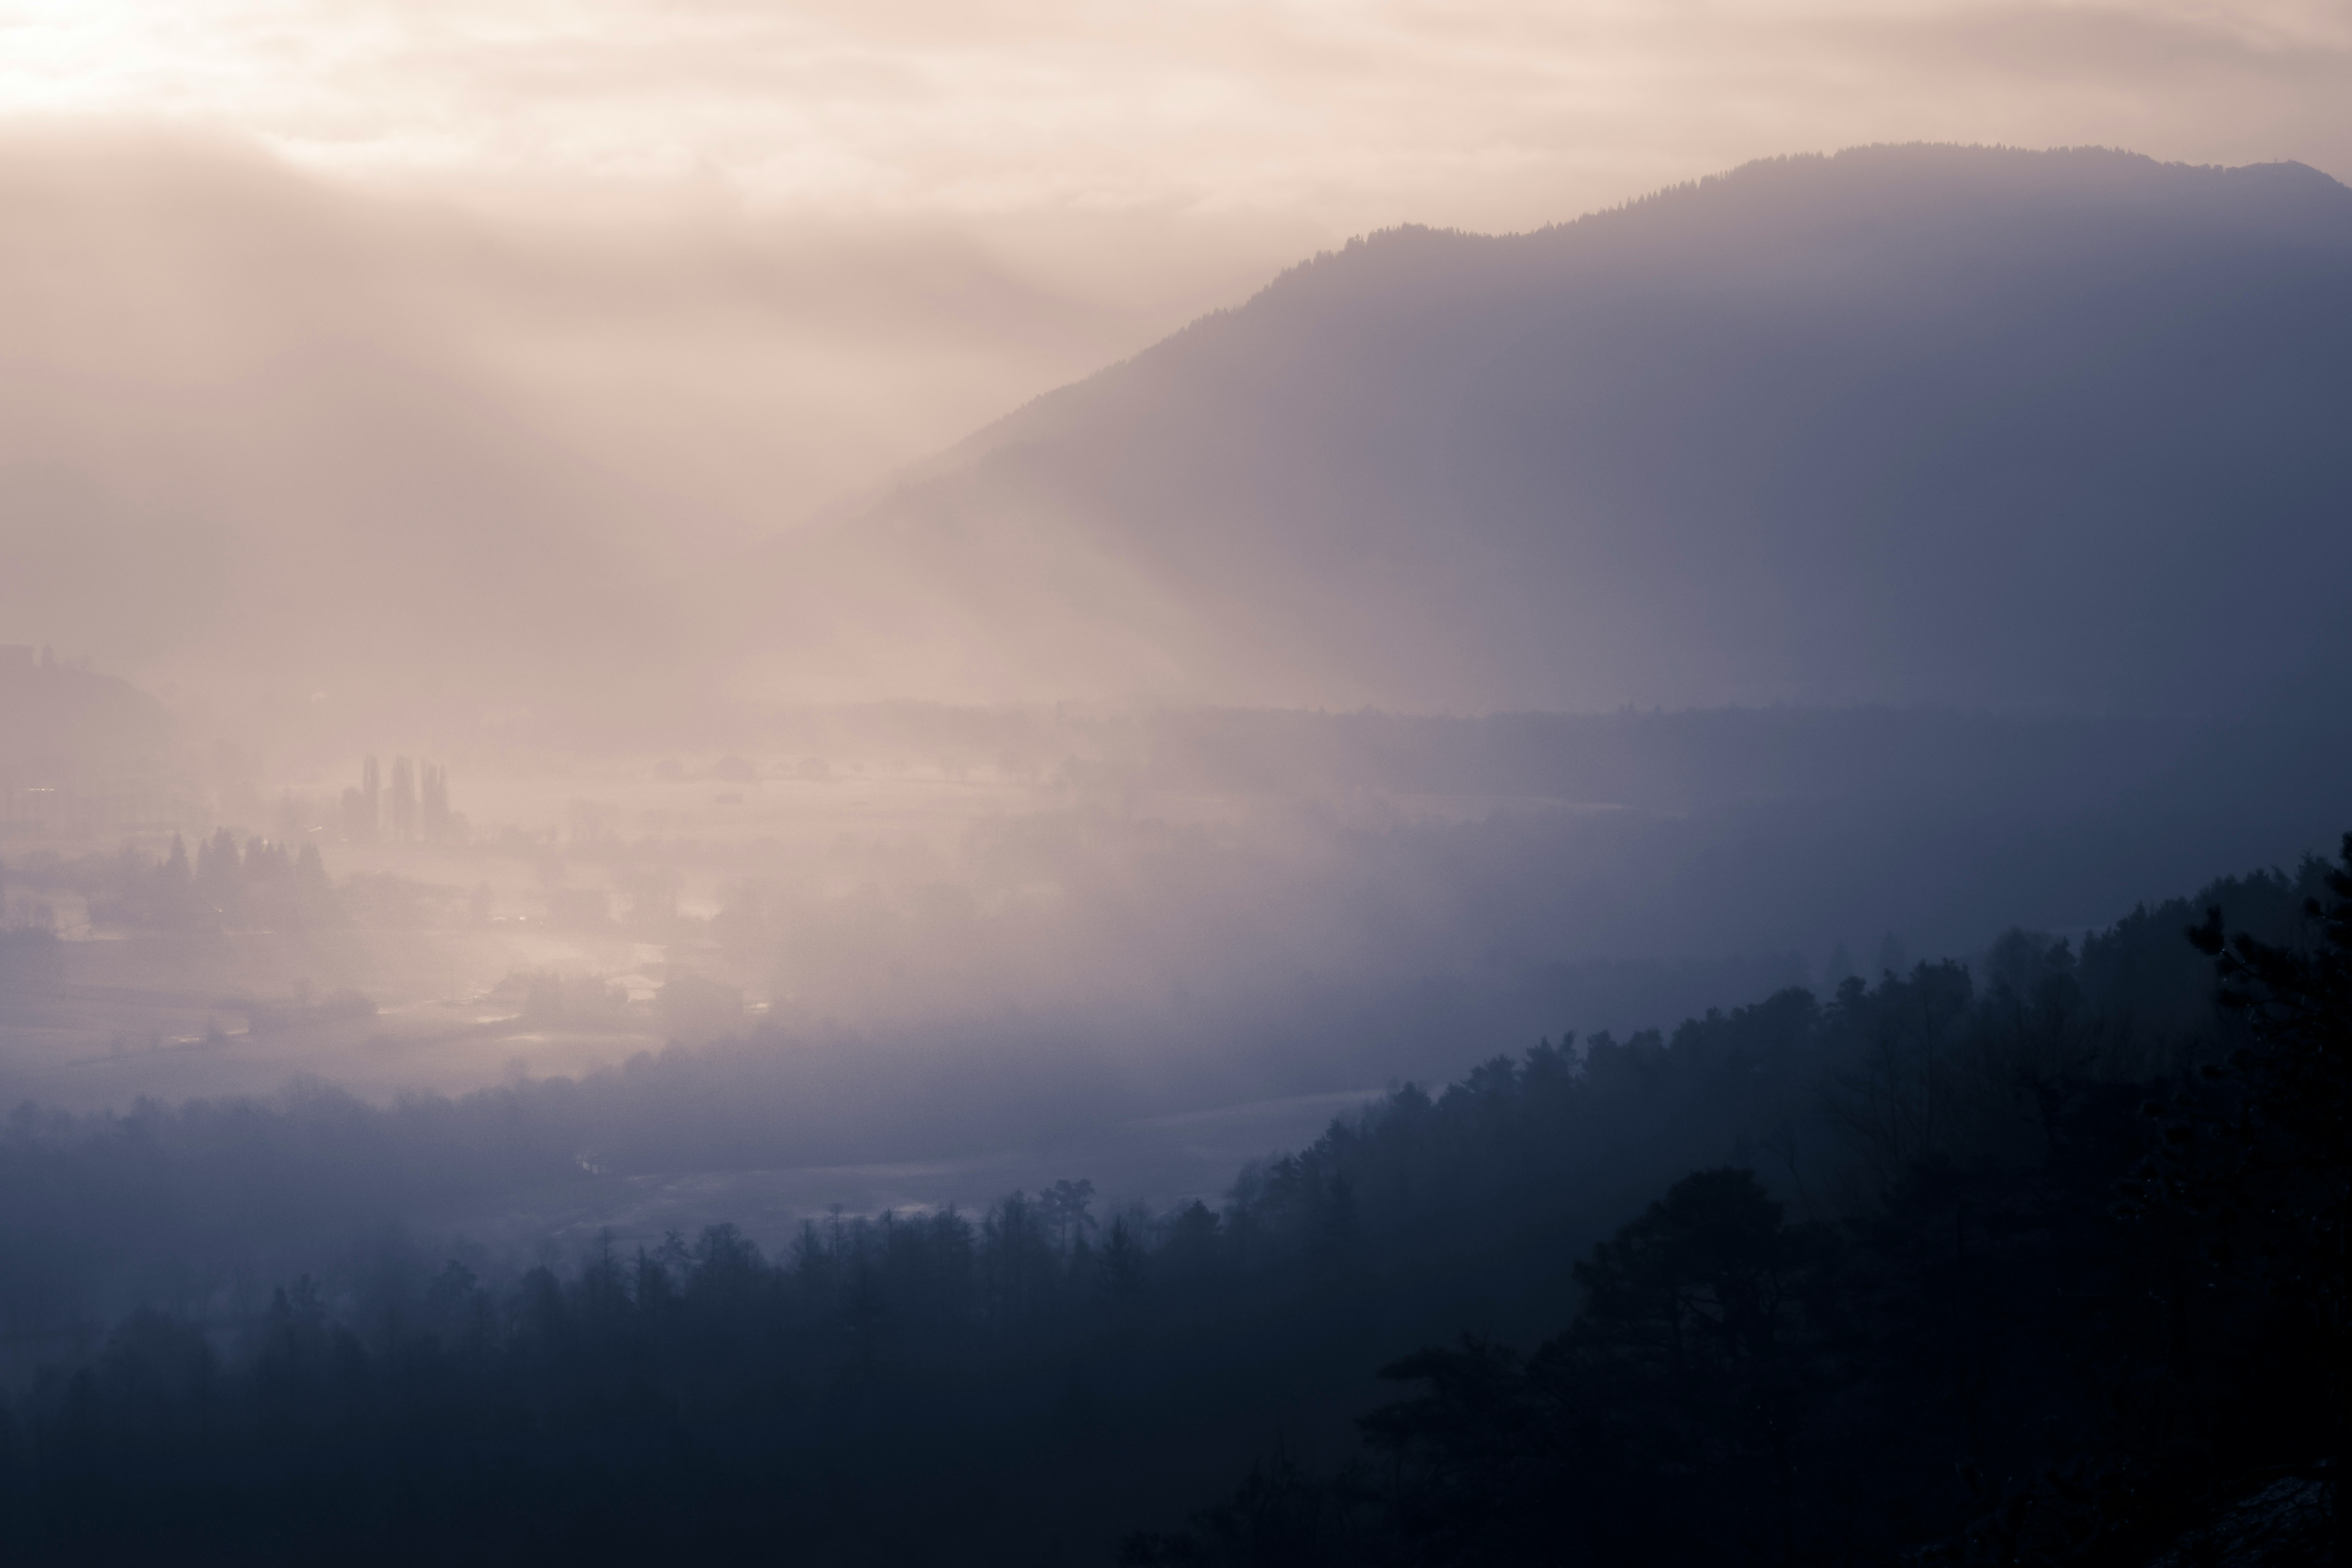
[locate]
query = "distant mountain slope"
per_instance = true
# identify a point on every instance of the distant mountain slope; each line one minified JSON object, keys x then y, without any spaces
{"x":1958,"y":425}
{"x":60,"y":725}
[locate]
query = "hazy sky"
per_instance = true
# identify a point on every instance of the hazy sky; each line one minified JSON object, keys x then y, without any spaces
{"x":678,"y":272}
{"x":1352,"y":113}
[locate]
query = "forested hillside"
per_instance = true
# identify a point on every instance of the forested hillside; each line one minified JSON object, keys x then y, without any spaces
{"x":2034,"y":1259}
{"x":1796,"y":434}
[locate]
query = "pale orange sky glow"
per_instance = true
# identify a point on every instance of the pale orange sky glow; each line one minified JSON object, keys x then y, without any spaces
{"x":1351,"y":114}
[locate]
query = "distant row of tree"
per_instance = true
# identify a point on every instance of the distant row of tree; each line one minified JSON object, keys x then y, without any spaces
{"x":260,"y":882}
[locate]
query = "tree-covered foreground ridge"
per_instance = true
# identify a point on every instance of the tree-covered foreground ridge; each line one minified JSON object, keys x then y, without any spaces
{"x":2039,"y":1258}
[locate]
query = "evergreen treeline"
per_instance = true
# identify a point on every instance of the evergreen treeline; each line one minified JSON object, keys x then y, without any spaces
{"x":2058,"y":1313}
{"x":260,"y":882}
{"x":2040,"y":1260}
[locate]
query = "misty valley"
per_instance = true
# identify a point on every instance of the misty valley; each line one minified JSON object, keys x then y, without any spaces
{"x":691,"y":1162}
{"x":1674,"y":890}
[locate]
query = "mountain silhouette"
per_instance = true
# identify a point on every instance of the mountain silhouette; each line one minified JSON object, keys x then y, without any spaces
{"x":2055,"y":431}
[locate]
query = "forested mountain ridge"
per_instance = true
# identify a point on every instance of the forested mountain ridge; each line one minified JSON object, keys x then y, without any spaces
{"x":2034,"y":1259}
{"x":1811,"y":431}
{"x":2105,"y":1323}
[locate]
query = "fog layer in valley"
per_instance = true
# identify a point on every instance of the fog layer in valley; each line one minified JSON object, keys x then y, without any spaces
{"x":919,"y":956}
